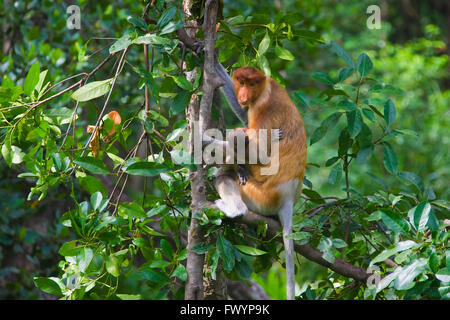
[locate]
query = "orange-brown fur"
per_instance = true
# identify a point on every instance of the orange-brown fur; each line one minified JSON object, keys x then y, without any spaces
{"x":271,"y":108}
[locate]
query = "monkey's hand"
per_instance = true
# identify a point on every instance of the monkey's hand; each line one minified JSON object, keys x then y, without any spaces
{"x":242,"y":173}
{"x":198,"y":47}
{"x":278,"y":135}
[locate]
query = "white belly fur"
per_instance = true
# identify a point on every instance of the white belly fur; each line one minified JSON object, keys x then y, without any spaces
{"x":288,"y":191}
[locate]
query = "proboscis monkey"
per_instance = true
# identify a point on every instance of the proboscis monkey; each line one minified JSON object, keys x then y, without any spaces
{"x":269,"y":107}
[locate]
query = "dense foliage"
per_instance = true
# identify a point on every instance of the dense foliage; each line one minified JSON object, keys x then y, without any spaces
{"x":99,"y":208}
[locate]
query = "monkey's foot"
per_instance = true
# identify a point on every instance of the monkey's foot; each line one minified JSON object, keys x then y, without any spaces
{"x":231,"y":211}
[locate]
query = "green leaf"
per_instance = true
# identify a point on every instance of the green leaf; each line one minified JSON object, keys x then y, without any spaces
{"x":226,"y":253}
{"x":92,"y":184}
{"x":399,"y":247}
{"x":301,"y":98}
{"x":394,"y":221}
{"x":166,"y":249}
{"x":389,"y":112}
{"x":325,"y":246}
{"x":123,"y":296}
{"x":264,"y":44}
{"x":443,"y":275}
{"x":335,"y":174}
{"x":364,"y":64}
{"x":283,"y":53}
{"x":326,"y":124}
{"x":92,"y":90}
{"x":317,"y":135}
{"x":182,"y":82}
{"x":160,"y":264}
{"x":323,"y":78}
{"x":339,"y":243}
{"x":369,"y":114}
{"x":171,"y":27}
{"x":92,"y":164}
{"x":355,"y":122}
{"x":300,"y":236}
{"x":331,"y":161}
{"x":32,"y":79}
{"x":342,"y":54}
{"x":151,"y":38}
{"x":345,"y":142}
{"x":149,"y":231}
{"x":154,"y":276}
{"x":390,"y":160}
{"x":406,"y":132}
{"x":146,"y":169}
{"x":433,"y":222}
{"x":7,"y":150}
{"x":96,"y":200}
{"x":84,"y":258}
{"x":201,"y":247}
{"x":433,"y":262}
{"x":131,"y":210}
{"x":365,"y":136}
{"x":159,"y":118}
{"x":12,"y":154}
{"x":412,"y":178}
{"x":71,"y":248}
{"x":345,"y":73}
{"x":180,"y":272}
{"x":406,"y":277}
{"x":121,"y":44}
{"x":157,"y":211}
{"x":48,"y":285}
{"x":250,"y":250}
{"x":180,"y":102}
{"x":166,"y":16}
{"x":115,"y":158}
{"x":386,"y":89}
{"x":112,"y":265}
{"x":364,"y":154}
{"x":40,"y":83}
{"x":347,"y":105}
{"x":308,"y":35}
{"x":419,"y":215}
{"x":137,"y":22}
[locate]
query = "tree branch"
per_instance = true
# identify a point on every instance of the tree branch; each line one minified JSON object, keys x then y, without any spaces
{"x":308,"y":251}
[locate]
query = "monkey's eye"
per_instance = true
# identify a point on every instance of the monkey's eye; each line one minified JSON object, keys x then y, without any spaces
{"x":241,"y":83}
{"x":251,"y":84}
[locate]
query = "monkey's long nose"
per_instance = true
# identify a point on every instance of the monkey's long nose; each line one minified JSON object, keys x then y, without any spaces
{"x":243,"y":96}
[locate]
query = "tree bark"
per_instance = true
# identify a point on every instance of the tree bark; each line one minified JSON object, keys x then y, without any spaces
{"x":194,"y":266}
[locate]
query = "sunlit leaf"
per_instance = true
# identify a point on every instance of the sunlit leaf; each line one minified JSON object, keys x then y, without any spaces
{"x":283,"y":53}
{"x":250,"y":250}
{"x":32,"y":78}
{"x":92,"y":164}
{"x":92,"y":90}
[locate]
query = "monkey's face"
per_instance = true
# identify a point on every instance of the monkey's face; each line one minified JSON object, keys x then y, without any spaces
{"x":249,"y":84}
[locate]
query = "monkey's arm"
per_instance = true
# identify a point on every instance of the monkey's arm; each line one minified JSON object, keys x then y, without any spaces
{"x":228,"y":91}
{"x":228,"y":87}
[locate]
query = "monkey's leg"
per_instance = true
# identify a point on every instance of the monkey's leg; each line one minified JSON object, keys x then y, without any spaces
{"x":285,"y":214}
{"x":230,"y":201}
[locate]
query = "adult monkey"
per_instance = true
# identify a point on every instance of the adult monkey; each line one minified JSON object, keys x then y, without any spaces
{"x":275,"y":110}
{"x":269,"y":107}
